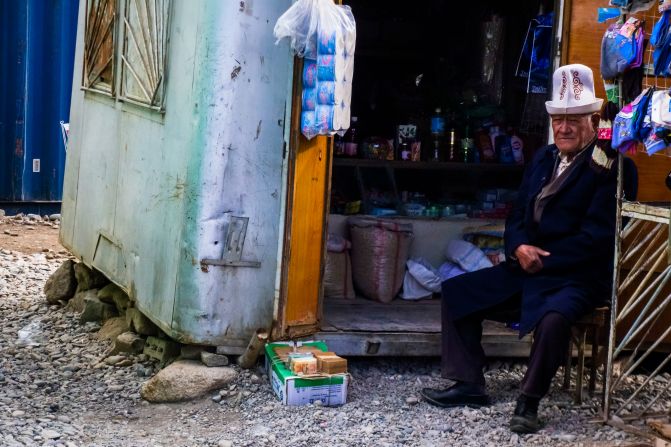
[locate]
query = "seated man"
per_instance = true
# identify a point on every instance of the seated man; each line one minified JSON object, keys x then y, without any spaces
{"x":559,"y":243}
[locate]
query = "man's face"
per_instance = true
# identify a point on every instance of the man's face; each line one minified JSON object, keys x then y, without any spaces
{"x":573,"y":132}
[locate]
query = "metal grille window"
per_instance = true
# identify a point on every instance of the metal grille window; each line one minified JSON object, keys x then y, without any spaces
{"x":99,"y":45}
{"x":145,"y":25}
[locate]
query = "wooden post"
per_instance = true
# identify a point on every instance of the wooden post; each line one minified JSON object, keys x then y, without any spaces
{"x":257,"y":342}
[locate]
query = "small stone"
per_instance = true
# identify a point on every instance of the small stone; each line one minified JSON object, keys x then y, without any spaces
{"x":128,"y":342}
{"x":96,"y":310}
{"x":412,"y":400}
{"x":225,"y":443}
{"x":112,"y":328}
{"x":139,"y":323}
{"x":76,"y":304}
{"x":50,"y":434}
{"x":216,"y":398}
{"x":114,"y":359}
{"x":18,"y":413}
{"x":213,"y":360}
{"x":62,"y":284}
{"x":87,"y":278}
{"x":55,"y":217}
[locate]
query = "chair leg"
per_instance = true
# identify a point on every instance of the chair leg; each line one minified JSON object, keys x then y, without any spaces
{"x":581,"y":367}
{"x":595,"y":359}
{"x":567,"y":366}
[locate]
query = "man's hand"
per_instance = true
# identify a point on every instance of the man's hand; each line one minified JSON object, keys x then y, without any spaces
{"x":529,"y":258}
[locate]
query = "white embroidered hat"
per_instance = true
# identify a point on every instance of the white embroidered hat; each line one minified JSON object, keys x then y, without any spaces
{"x":573,"y":91}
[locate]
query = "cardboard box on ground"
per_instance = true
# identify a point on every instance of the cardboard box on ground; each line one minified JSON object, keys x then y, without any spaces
{"x":304,"y":389}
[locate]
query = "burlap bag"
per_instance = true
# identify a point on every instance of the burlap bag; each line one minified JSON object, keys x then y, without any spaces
{"x":338,"y":275}
{"x":380,"y":250}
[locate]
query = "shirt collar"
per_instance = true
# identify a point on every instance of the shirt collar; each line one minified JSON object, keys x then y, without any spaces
{"x":568,"y":158}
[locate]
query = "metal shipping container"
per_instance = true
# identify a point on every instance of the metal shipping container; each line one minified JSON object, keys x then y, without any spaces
{"x":37,"y":40}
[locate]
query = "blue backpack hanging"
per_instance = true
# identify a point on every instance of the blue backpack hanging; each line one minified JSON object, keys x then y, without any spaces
{"x":628,"y":124}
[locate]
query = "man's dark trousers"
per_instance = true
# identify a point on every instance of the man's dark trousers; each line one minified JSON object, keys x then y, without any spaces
{"x":464,"y":359}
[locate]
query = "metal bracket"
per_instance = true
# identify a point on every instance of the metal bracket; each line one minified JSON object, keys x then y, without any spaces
{"x":235,"y":242}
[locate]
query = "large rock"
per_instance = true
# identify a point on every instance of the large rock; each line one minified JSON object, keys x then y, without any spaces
{"x":113,"y":328}
{"x":62,"y":284}
{"x":96,"y":310}
{"x":88,"y":279}
{"x":140,"y":324}
{"x":113,"y":294}
{"x":185,"y":380}
{"x":76,"y":304}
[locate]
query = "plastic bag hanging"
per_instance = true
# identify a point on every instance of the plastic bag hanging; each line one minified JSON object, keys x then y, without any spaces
{"x":534,"y":61}
{"x":324,"y":34}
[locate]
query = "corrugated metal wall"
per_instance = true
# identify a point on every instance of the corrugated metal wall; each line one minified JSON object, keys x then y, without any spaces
{"x":37,"y":42}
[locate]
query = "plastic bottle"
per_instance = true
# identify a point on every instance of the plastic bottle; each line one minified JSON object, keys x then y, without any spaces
{"x":504,"y":149}
{"x":518,"y":148}
{"x":351,"y":143}
{"x":453,"y":143}
{"x":404,"y":151}
{"x":484,"y":144}
{"x":437,"y":134}
{"x":339,"y":145}
{"x":493,"y":133}
{"x":468,"y":151}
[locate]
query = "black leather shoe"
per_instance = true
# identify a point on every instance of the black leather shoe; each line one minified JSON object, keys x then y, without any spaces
{"x":525,"y":417}
{"x":461,"y":394}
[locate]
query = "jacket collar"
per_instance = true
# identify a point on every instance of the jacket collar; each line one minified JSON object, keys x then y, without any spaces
{"x":581,"y":157}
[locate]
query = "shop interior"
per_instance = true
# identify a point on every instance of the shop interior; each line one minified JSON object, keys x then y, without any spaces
{"x":445,"y":114}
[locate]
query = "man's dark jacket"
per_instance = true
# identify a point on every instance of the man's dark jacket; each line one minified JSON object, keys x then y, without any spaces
{"x":577,"y":227}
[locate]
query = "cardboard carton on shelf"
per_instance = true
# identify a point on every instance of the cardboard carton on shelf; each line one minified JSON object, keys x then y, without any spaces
{"x":296,"y":389}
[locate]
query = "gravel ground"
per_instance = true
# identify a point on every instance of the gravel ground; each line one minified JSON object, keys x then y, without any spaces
{"x":59,"y":391}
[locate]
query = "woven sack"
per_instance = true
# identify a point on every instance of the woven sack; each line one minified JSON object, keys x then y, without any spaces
{"x":380,"y":249}
{"x":338,"y":275}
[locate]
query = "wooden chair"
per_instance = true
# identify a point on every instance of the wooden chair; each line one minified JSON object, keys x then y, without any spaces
{"x":589,"y":326}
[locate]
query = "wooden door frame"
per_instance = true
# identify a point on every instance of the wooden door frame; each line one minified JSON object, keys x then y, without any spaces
{"x":281,"y":328}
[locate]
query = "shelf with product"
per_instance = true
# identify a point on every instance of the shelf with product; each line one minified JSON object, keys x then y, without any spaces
{"x":427,"y":190}
{"x":464,"y":114}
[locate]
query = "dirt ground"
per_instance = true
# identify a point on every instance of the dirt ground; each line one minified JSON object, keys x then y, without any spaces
{"x":29,"y":239}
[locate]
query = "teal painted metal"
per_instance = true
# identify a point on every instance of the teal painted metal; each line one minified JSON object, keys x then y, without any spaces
{"x":147,"y":196}
{"x":37,"y":41}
